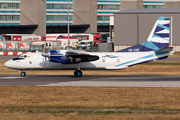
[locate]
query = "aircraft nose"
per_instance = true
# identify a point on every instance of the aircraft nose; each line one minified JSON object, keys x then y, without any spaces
{"x":8,"y":64}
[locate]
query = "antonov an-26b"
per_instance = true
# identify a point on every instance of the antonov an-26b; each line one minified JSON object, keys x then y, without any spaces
{"x":155,"y":48}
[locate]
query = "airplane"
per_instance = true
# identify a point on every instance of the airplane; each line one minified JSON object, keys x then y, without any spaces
{"x":155,"y":48}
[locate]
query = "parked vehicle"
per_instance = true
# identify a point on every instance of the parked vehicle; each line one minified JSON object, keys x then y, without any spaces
{"x":72,"y":43}
{"x":94,"y":38}
{"x":85,"y":44}
{"x":22,"y":37}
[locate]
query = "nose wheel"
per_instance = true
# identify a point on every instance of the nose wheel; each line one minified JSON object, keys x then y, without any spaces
{"x":77,"y":73}
{"x":22,"y":74}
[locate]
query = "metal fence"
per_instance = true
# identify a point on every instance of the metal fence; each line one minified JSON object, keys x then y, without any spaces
{"x":27,"y":46}
{"x":19,"y":46}
{"x":106,"y":47}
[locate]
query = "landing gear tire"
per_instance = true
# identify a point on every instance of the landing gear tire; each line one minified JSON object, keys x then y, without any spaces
{"x":77,"y":73}
{"x":22,"y":74}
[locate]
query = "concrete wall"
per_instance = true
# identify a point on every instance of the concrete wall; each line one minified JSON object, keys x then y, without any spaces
{"x":85,"y":12}
{"x":125,"y":29}
{"x":132,"y":4}
{"x":131,"y":29}
{"x":33,"y":12}
{"x":172,"y":4}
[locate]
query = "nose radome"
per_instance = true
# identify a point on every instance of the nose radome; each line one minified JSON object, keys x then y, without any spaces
{"x":8,"y":64}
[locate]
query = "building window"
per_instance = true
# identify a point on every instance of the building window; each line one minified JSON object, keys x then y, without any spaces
{"x":58,"y":18}
{"x":17,"y":5}
{"x":9,"y":5}
{"x":58,"y":6}
{"x":1,"y":5}
{"x":9,"y":17}
{"x":1,"y":18}
{"x":103,"y":18}
{"x":108,"y":7}
{"x":153,"y":6}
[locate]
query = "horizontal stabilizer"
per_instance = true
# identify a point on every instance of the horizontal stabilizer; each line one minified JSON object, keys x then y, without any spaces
{"x":116,"y":68}
{"x":164,"y":50}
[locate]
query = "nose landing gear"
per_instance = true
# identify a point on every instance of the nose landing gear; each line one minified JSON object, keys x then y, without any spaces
{"x":78,"y":72}
{"x":22,"y":74}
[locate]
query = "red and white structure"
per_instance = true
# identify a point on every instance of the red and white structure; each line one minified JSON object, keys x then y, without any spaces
{"x":14,"y":53}
{"x":22,"y":37}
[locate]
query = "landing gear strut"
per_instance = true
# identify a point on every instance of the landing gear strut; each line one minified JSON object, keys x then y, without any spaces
{"x":78,"y":72}
{"x":22,"y":74}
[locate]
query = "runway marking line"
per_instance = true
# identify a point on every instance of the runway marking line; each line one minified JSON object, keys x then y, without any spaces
{"x":10,"y":77}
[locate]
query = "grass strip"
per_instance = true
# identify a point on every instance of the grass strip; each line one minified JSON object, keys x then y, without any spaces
{"x":163,"y":63}
{"x":133,"y":98}
{"x":14,"y":98}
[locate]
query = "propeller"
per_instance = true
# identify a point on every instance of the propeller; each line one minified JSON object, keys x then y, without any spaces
{"x":46,"y":54}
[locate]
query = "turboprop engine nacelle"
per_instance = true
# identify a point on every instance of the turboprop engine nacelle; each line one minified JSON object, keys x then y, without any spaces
{"x":58,"y":57}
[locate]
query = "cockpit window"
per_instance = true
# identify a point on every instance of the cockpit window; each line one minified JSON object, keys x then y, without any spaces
{"x":20,"y":57}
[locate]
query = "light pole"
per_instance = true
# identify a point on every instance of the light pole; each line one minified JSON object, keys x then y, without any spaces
{"x":68,"y":24}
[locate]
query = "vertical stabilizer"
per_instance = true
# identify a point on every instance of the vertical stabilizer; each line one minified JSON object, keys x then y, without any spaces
{"x":158,"y":38}
{"x":160,"y":32}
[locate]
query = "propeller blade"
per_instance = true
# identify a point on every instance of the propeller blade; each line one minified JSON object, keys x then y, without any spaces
{"x":46,"y":55}
{"x":45,"y":63}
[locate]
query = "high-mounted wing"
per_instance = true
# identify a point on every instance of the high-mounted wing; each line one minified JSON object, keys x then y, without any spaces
{"x":71,"y":56}
{"x":76,"y":56}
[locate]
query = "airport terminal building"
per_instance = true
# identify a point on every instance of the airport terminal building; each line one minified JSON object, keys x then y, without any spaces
{"x":51,"y":16}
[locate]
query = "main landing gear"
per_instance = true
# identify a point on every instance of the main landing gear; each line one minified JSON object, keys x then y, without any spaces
{"x":78,"y":72}
{"x":22,"y":74}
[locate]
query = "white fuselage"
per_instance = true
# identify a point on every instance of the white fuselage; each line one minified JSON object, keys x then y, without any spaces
{"x":108,"y":60}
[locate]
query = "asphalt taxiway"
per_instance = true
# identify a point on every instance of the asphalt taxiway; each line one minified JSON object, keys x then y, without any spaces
{"x":62,"y":80}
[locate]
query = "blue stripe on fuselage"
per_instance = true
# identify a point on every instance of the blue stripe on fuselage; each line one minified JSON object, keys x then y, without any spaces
{"x":148,"y":56}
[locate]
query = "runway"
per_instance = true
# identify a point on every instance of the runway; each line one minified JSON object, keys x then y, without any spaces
{"x":122,"y":81}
